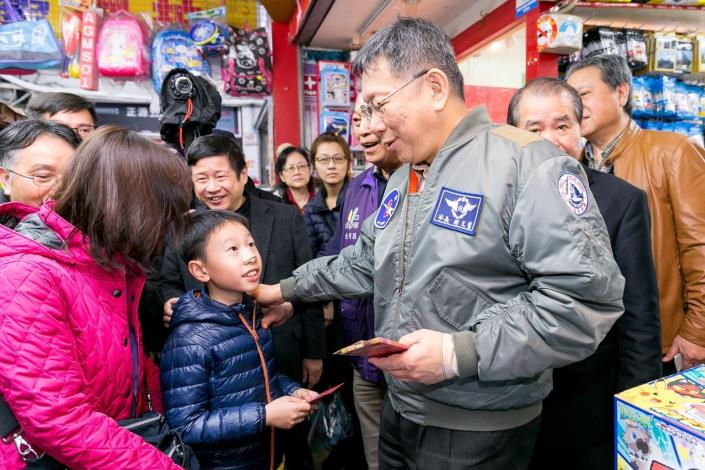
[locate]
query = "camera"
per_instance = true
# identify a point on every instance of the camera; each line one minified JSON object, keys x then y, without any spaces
{"x":180,"y":87}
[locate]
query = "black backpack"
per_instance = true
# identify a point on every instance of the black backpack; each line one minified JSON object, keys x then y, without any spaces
{"x":190,"y":106}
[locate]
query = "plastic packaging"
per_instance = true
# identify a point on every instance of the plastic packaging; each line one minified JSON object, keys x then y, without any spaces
{"x":121,"y":46}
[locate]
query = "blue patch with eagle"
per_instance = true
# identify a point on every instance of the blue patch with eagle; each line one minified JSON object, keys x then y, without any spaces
{"x":459,"y":211}
{"x":386,"y":210}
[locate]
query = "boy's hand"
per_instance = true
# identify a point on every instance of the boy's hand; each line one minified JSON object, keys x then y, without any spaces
{"x":275,"y":316}
{"x":286,"y":412}
{"x":169,"y":310}
{"x":267,"y":296}
{"x":305,"y":394}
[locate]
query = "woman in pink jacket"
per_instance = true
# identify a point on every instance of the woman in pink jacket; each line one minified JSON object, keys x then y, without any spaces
{"x":70,"y":280}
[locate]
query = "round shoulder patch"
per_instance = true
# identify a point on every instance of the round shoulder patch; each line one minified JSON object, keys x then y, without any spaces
{"x":573,"y":192}
{"x":386,"y":210}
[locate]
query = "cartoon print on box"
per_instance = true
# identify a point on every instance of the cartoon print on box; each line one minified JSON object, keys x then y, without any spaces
{"x":661,"y":425}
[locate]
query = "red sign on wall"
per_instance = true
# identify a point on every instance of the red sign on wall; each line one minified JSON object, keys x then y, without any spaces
{"x":496,"y":99}
{"x":89,"y":71}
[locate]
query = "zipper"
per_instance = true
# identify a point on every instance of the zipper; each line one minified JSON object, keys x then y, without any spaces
{"x":265,"y":372}
{"x":141,"y":422}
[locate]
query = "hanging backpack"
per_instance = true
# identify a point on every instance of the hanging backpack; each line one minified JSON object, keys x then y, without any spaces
{"x":190,"y":105}
{"x":121,"y":47}
{"x":174,"y":49}
{"x":27,"y":45}
{"x":247,"y":67}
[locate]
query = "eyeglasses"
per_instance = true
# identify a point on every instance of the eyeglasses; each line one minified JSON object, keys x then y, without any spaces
{"x":368,"y":110}
{"x":292,"y":168}
{"x":84,"y":130}
{"x":42,"y":181}
{"x":326,"y":159}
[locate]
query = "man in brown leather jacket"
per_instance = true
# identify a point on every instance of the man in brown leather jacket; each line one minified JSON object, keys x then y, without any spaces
{"x":671,"y":170}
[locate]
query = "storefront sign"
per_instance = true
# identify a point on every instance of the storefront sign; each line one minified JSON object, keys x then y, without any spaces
{"x":525,"y":6}
{"x":89,"y":71}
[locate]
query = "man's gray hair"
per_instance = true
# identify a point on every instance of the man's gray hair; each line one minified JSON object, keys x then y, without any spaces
{"x":543,"y":86}
{"x":411,"y":45}
{"x":614,"y":71}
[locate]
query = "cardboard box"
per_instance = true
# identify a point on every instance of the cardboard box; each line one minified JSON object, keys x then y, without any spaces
{"x":661,"y":425}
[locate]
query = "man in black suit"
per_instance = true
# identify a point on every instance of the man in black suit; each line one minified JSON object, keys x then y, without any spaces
{"x":219,"y":176}
{"x":576,"y":424}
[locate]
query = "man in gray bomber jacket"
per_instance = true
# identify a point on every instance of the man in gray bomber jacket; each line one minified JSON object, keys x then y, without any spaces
{"x":488,"y":255}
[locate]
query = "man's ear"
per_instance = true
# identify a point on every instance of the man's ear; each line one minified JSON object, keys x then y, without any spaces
{"x":440,"y":87}
{"x":623,"y":91}
{"x":198,"y":270}
{"x":5,"y":181}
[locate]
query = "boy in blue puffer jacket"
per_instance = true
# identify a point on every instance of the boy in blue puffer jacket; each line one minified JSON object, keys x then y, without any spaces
{"x":220,"y":386}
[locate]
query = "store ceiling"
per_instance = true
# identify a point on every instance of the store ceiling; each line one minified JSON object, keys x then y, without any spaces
{"x":349,"y":23}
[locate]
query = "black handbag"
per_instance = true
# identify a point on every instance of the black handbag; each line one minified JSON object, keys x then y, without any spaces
{"x":151,"y":426}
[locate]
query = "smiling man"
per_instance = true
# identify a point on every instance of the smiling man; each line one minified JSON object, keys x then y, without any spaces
{"x":219,"y":174}
{"x":630,"y":354}
{"x":487,"y":256}
{"x":33,"y":155}
{"x":671,"y":170}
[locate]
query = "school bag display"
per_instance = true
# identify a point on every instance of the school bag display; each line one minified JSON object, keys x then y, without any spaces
{"x":29,"y":45}
{"x":174,"y":49}
{"x":121,"y":46}
{"x":247,"y":67}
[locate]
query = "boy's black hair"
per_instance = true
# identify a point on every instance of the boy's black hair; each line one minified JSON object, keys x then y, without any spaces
{"x":203,"y":224}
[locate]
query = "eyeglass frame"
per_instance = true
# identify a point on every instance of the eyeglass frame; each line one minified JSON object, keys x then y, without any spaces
{"x":300,"y":167}
{"x":47,"y":185}
{"x":367,"y":110}
{"x":325,"y":161}
{"x":77,"y":130}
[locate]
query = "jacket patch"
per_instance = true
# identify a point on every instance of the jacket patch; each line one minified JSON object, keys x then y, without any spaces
{"x":573,"y":192}
{"x":457,"y":211}
{"x":519,"y":136}
{"x":386,"y":210}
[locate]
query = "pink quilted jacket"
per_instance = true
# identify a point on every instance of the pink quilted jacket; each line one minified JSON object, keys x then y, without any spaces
{"x":66,"y":363}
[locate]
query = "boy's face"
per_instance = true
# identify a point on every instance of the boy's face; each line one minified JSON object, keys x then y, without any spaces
{"x":232,"y":264}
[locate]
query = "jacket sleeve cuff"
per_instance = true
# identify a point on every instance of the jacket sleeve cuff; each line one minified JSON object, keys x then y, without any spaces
{"x":287,"y":287}
{"x":692,"y":331}
{"x":465,"y":353}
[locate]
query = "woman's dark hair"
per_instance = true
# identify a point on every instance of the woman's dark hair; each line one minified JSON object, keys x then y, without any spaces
{"x":203,"y":225}
{"x":281,"y":163}
{"x":124,"y":193}
{"x":333,"y":138}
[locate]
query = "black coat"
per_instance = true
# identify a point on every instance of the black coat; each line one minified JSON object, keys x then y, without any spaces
{"x":578,"y":413}
{"x":280,"y":236}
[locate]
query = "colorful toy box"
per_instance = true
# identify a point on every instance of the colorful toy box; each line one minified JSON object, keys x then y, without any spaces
{"x":661,"y":425}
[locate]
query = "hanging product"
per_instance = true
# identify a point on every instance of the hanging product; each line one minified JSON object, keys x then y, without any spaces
{"x":599,"y":41}
{"x":637,"y":56}
{"x":334,"y":89}
{"x":684,"y":54}
{"x":121,"y":46}
{"x":337,"y":122}
{"x":699,"y":55}
{"x":29,"y":45}
{"x":247,"y":67}
{"x":559,"y":34}
{"x":172,"y":49}
{"x":71,"y":33}
{"x":663,"y":52}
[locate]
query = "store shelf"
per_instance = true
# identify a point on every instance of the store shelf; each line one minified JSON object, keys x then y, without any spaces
{"x":110,"y":91}
{"x":681,"y":19}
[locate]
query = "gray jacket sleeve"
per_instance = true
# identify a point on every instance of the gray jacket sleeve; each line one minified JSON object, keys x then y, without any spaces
{"x":575,"y":287}
{"x":347,"y":275}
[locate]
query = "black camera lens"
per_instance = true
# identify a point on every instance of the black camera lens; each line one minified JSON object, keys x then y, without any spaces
{"x":183,"y":85}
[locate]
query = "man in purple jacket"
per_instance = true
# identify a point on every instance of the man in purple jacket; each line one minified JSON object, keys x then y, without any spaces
{"x":363,"y":197}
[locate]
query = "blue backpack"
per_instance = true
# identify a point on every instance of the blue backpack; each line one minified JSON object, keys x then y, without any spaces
{"x":174,"y":49}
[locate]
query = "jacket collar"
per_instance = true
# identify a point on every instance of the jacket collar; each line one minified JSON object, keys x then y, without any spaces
{"x":474,"y":122}
{"x":631,"y":135}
